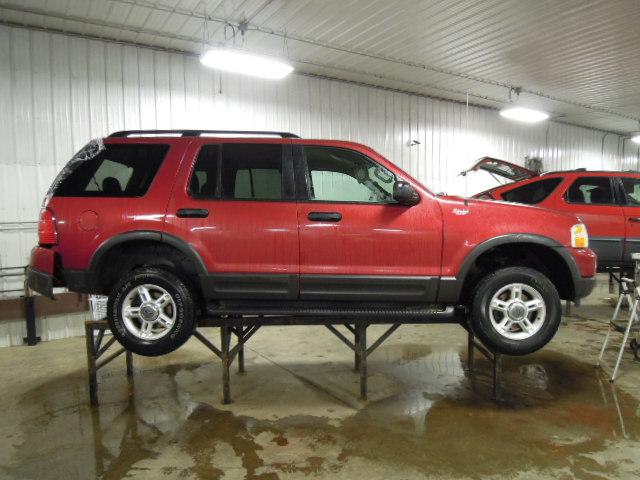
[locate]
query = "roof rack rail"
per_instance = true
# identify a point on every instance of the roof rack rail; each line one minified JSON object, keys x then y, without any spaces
{"x":199,"y":133}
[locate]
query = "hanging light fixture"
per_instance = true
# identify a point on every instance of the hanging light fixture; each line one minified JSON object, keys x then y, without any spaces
{"x":522,"y":114}
{"x":519,"y":113}
{"x":635,"y":137}
{"x":239,"y":61}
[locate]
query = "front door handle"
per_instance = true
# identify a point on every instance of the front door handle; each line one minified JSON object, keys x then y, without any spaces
{"x":634,"y":219}
{"x":324,"y":216}
{"x":192,"y":213}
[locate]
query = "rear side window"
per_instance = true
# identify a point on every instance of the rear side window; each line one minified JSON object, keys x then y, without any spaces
{"x":591,"y":191}
{"x":532,"y":193}
{"x":120,"y":170}
{"x":251,"y":171}
{"x":205,"y":173}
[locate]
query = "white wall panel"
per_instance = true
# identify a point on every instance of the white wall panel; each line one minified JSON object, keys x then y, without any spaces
{"x":57,"y":92}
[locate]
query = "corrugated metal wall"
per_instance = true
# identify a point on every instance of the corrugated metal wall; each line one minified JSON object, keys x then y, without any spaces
{"x":57,"y":92}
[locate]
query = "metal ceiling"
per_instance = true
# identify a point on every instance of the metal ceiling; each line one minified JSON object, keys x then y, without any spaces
{"x":578,"y":59}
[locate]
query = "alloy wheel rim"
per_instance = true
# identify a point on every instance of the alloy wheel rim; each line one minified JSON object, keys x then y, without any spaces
{"x":148,"y":312}
{"x":517,"y":311}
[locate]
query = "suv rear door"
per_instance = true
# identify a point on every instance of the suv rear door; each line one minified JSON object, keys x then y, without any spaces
{"x":356,"y":243}
{"x":233,"y":202}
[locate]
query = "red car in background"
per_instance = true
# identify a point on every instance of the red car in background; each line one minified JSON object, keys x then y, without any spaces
{"x":607,"y":202}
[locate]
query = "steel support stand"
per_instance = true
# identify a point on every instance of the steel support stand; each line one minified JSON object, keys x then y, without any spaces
{"x":32,"y":338}
{"x":474,"y":344}
{"x":225,"y":341}
{"x":240,"y":331}
{"x":97,"y":356}
{"x":226,"y":353}
{"x":360,"y":349}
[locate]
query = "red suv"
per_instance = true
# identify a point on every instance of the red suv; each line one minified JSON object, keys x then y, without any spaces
{"x":608,"y":203}
{"x":175,"y":225}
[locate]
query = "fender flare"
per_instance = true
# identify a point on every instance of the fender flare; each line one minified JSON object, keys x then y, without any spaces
{"x":148,"y":235}
{"x":451,"y":287}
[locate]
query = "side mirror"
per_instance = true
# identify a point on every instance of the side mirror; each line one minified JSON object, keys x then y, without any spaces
{"x":405,"y":194}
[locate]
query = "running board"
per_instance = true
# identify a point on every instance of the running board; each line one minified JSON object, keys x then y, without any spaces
{"x":320,"y":315}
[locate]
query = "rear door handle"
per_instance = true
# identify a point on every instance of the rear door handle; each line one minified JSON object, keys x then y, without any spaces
{"x":192,"y":213}
{"x":324,"y":216}
{"x":634,"y":219}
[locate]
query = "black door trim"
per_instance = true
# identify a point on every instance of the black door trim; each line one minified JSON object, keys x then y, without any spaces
{"x":250,"y":286}
{"x":375,"y":288}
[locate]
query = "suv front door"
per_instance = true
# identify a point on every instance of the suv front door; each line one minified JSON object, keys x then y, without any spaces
{"x":356,"y":242}
{"x":233,"y":202}
{"x":592,"y":199}
{"x":630,"y":193}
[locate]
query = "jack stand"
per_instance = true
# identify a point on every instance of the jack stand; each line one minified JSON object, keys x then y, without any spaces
{"x":95,"y":351}
{"x":227,"y":354}
{"x":359,"y":347}
{"x":474,"y":344}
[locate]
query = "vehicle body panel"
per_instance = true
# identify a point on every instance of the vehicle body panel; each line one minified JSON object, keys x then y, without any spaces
{"x":272,"y":250}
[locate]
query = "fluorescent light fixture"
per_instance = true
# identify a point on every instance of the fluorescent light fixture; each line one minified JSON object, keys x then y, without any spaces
{"x":237,"y":61}
{"x":635,"y":137}
{"x":522,"y":114}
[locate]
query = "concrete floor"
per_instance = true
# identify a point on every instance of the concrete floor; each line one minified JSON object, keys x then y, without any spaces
{"x":296,"y":412}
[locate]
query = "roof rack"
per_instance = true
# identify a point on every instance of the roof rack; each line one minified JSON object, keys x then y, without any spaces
{"x":199,"y":133}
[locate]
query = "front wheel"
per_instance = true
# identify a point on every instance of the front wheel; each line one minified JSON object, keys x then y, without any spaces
{"x":515,"y":310}
{"x":151,"y":312}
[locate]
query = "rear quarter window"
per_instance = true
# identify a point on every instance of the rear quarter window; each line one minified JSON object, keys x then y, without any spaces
{"x":120,"y":170}
{"x":532,"y":193}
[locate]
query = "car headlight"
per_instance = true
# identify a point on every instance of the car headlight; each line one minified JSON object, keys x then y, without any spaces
{"x":579,"y":236}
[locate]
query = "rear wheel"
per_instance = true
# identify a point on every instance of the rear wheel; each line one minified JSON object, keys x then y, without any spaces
{"x":516,"y":310}
{"x":151,"y":311}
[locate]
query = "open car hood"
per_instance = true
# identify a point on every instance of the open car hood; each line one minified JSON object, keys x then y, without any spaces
{"x":501,"y":168}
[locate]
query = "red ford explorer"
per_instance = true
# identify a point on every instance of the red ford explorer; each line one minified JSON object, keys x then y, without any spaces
{"x":174,"y":225}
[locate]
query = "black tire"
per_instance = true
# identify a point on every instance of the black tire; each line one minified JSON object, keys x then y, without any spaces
{"x":174,"y":336}
{"x":480,"y":310}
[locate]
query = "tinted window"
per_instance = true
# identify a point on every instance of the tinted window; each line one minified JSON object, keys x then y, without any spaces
{"x":205,"y":173}
{"x":252,"y":171}
{"x":340,"y":175}
{"x":591,"y":190}
{"x":124,"y":170}
{"x":532,"y":193}
{"x":631,"y":190}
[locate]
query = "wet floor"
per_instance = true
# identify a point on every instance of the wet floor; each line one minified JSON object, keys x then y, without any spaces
{"x":300,"y":418}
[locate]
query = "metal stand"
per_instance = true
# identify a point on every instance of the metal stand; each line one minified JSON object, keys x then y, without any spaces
{"x":474,"y":344}
{"x":227,"y":354}
{"x":630,"y":293}
{"x":244,"y":327}
{"x":359,"y":347}
{"x":95,"y":352}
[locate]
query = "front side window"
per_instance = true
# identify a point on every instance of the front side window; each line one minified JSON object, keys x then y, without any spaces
{"x":341,"y":175}
{"x":251,"y":171}
{"x":631,"y":188}
{"x":118,"y":170}
{"x":532,"y":193}
{"x":591,"y":191}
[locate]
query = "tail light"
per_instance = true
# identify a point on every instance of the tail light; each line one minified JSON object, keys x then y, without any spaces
{"x":47,"y":234}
